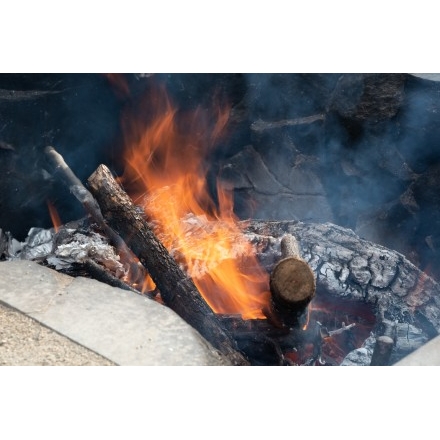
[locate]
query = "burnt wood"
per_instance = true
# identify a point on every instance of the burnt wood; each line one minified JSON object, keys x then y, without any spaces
{"x":382,"y":351}
{"x":176,"y":288}
{"x":84,"y":196}
{"x":361,"y":273}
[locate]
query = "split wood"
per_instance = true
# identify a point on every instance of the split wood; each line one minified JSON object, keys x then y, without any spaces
{"x":177,"y":290}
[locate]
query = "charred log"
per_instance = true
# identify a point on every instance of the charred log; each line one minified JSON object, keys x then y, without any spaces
{"x":360,"y":272}
{"x":382,"y":351}
{"x":177,"y":290}
{"x":97,"y":272}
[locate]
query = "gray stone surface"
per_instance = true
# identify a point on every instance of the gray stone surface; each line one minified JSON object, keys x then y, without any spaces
{"x":26,"y":342}
{"x":124,"y":327}
{"x":427,"y":355}
{"x":279,"y":188}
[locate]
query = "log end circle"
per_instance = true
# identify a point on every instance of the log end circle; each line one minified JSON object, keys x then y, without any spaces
{"x":292,"y":281}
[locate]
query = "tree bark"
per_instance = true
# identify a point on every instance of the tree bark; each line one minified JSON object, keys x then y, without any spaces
{"x":84,"y":196}
{"x":292,"y":283}
{"x":177,"y":289}
{"x":382,"y":351}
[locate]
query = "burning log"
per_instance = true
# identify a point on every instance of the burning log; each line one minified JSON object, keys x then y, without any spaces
{"x":292,"y":283}
{"x":351,"y":270}
{"x":99,"y":273}
{"x":91,"y":206}
{"x":177,"y":290}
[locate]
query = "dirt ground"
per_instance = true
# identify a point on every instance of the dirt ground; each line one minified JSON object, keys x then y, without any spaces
{"x":25,"y":342}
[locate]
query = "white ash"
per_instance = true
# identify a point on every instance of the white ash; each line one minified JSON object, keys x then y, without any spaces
{"x":41,"y":245}
{"x":37,"y":245}
{"x":408,"y":339}
{"x":231,"y":243}
{"x":361,"y":356}
{"x":82,"y":247}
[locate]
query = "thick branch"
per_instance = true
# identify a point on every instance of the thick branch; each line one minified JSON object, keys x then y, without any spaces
{"x":177,"y":290}
{"x":84,"y":196}
{"x":292,"y":283}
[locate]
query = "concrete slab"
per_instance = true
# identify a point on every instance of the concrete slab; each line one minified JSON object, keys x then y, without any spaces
{"x":427,"y":355}
{"x":126,"y":328}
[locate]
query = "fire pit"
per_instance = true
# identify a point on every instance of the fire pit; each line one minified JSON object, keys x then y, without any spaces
{"x":286,"y":285}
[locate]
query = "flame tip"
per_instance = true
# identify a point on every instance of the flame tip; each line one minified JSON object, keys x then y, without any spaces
{"x":165,"y":162}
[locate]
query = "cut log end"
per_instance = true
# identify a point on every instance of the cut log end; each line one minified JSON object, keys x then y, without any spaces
{"x":292,"y":285}
{"x":292,"y":281}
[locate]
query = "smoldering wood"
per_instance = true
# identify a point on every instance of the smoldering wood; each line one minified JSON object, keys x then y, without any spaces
{"x":97,"y":272}
{"x":85,"y":197}
{"x":260,"y":349}
{"x":292,"y":284}
{"x":382,"y":351}
{"x":265,"y":344}
{"x":343,"y":329}
{"x":75,"y":250}
{"x":91,"y":269}
{"x":360,"y":271}
{"x":177,"y":290}
{"x":387,"y":328}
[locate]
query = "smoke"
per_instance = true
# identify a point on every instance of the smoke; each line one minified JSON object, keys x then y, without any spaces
{"x":370,"y":162}
{"x":76,"y":113}
{"x":358,"y":150}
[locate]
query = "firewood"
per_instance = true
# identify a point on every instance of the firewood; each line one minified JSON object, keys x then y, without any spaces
{"x":343,"y":329}
{"x":99,"y":273}
{"x":382,"y":351}
{"x":292,"y":283}
{"x":177,"y":290}
{"x":84,"y":196}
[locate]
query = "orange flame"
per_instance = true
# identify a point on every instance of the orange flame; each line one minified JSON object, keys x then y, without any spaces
{"x":166,"y":173}
{"x":148,"y":284}
{"x":56,"y":221}
{"x":309,"y":309}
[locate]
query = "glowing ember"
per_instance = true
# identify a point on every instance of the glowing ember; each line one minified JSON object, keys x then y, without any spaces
{"x":166,"y":173}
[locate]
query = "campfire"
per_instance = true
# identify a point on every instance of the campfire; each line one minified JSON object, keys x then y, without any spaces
{"x":262,"y":292}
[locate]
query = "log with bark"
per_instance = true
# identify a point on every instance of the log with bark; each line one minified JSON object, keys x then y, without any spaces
{"x":292,"y":284}
{"x":382,"y":351}
{"x":357,"y":271}
{"x":345,"y":266}
{"x":177,"y":290}
{"x":84,"y":196}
